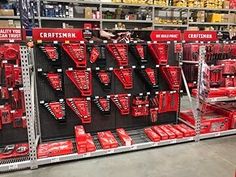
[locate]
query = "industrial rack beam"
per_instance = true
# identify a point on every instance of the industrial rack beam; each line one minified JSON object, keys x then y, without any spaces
{"x":218,"y":134}
{"x":102,"y":152}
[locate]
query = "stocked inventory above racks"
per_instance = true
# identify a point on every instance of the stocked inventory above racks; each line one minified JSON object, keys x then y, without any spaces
{"x":117,"y":15}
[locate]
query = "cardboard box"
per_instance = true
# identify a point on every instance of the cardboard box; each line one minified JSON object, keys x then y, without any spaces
{"x":226,"y":4}
{"x":6,"y":12}
{"x":88,"y":13}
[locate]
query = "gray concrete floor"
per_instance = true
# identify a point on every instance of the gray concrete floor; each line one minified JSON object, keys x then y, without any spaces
{"x":208,"y":158}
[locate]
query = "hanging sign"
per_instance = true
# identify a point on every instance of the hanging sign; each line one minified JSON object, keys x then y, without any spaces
{"x":200,"y":36}
{"x":11,"y":34}
{"x":60,"y":35}
{"x":165,"y":35}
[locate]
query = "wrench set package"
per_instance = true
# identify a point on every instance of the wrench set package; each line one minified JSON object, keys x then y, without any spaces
{"x":104,"y":87}
{"x":168,"y":131}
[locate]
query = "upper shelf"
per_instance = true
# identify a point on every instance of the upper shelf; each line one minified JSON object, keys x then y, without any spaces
{"x":141,"y":5}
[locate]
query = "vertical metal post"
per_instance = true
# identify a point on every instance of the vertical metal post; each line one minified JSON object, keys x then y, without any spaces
{"x":202,"y":53}
{"x":29,"y":105}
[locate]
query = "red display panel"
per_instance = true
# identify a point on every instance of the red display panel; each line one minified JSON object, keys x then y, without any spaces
{"x":11,"y":34}
{"x":60,"y":35}
{"x":165,"y":35}
{"x":200,"y":36}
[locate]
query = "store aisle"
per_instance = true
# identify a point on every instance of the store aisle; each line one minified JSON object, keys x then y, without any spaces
{"x":209,"y":158}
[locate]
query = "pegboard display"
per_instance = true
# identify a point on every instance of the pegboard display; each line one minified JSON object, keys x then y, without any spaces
{"x":104,"y":85}
{"x":12,"y":105}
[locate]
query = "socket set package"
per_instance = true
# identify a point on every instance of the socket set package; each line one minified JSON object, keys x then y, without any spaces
{"x":14,"y":150}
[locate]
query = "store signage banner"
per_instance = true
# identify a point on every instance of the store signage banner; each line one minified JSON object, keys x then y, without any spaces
{"x":11,"y":34}
{"x":200,"y":36}
{"x":60,"y":35}
{"x":165,"y":35}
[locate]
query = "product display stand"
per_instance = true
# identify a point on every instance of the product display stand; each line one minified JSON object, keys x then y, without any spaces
{"x":80,"y":92}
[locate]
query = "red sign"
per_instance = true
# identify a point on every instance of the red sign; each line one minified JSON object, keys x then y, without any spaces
{"x":200,"y":36}
{"x":165,"y":35}
{"x":11,"y":34}
{"x":60,"y":35}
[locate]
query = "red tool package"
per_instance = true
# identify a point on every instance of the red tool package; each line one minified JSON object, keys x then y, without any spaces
{"x":107,"y":140}
{"x":210,"y":121}
{"x":81,"y":107}
{"x":52,"y":149}
{"x":119,"y":52}
{"x":168,"y":131}
{"x":14,"y":150}
{"x":159,"y":52}
{"x":84,"y":141}
{"x":125,"y":139}
{"x":77,"y":53}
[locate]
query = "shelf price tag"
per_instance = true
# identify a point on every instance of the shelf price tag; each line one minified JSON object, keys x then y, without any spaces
{"x":110,"y":151}
{"x":217,"y":134}
{"x":13,"y":167}
{"x":55,"y":159}
{"x":173,"y":141}
{"x":133,"y":147}
{"x":87,"y":154}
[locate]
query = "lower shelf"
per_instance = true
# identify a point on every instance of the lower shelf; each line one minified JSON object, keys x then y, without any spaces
{"x":218,"y":134}
{"x":14,"y":164}
{"x":142,"y":142}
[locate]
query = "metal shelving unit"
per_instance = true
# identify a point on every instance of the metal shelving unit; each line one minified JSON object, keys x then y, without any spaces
{"x":137,"y":135}
{"x":154,"y":8}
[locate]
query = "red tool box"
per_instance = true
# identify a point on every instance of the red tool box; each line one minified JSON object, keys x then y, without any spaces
{"x":153,"y":136}
{"x":107,"y":140}
{"x":14,"y":150}
{"x":229,"y":66}
{"x":55,"y":149}
{"x":227,"y":109}
{"x":210,"y":121}
{"x":125,"y":139}
{"x":216,"y":75}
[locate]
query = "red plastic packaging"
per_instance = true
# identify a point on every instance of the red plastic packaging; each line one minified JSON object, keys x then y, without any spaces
{"x":15,"y":150}
{"x":77,"y":53}
{"x":152,"y":135}
{"x":82,"y":80}
{"x":119,"y":53}
{"x":125,"y":76}
{"x":173,"y":76}
{"x":81,"y":107}
{"x":125,"y":139}
{"x":159,"y":52}
{"x":170,"y":134}
{"x":160,"y":132}
{"x":178,"y":133}
{"x":122,"y":102}
{"x":107,"y":140}
{"x":55,"y":149}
